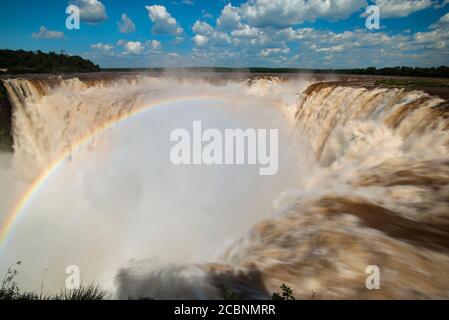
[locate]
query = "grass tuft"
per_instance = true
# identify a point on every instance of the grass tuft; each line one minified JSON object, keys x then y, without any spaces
{"x":91,"y":292}
{"x":9,"y":290}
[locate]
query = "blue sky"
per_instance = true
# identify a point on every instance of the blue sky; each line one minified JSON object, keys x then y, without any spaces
{"x":270,"y":33}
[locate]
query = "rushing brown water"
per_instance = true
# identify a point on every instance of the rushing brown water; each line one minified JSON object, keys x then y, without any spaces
{"x":370,"y":186}
{"x":379,"y":196}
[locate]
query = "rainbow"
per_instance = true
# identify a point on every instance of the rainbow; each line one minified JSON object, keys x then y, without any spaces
{"x":18,"y":208}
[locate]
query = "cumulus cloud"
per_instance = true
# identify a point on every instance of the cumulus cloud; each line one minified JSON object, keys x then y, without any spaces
{"x":402,"y":8}
{"x":203,"y":28}
{"x":163,"y":22}
{"x":363,"y":48}
{"x":246,"y":32}
{"x":44,"y":33}
{"x":285,"y":13}
{"x":229,"y":18}
{"x":442,"y":22}
{"x":139,"y":48}
{"x":154,"y":45}
{"x":269,"y":51}
{"x":200,"y":40}
{"x":91,"y":11}
{"x":205,"y":14}
{"x":315,"y":48}
{"x":269,"y":32}
{"x":436,"y":39}
{"x":205,"y":33}
{"x":131,"y":47}
{"x":102,"y":47}
{"x":178,"y":40}
{"x":126,"y":25}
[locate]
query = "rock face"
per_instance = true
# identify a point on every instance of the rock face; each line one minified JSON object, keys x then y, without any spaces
{"x":5,"y":121}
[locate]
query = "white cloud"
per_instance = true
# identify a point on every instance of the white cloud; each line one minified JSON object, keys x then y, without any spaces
{"x":132,"y":47}
{"x":265,"y":32}
{"x":91,"y":11}
{"x":284,"y":13}
{"x":308,"y":47}
{"x":126,"y":25}
{"x":139,"y":48}
{"x":102,"y":47}
{"x":442,"y":22}
{"x":200,"y":40}
{"x":360,"y":47}
{"x":435,"y":39}
{"x":163,"y":22}
{"x":402,"y":8}
{"x":178,"y":40}
{"x":202,"y":28}
{"x":270,"y":51}
{"x":229,"y":18}
{"x":154,"y":45}
{"x":44,"y":33}
{"x":444,"y":19}
{"x":442,"y":4}
{"x":246,"y":32}
{"x":337,"y":48}
{"x":207,"y":15}
{"x":330,"y":42}
{"x":205,"y":33}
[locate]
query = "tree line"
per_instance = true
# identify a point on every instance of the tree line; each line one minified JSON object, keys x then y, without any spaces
{"x":21,"y":61}
{"x":436,"y":72}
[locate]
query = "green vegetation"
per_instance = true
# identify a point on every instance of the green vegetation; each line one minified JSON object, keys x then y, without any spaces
{"x":89,"y":292}
{"x":287,"y":294}
{"x":20,"y":61}
{"x":5,"y":121}
{"x":412,"y":84}
{"x":437,"y":72}
{"x":9,"y":290}
{"x":226,"y":293}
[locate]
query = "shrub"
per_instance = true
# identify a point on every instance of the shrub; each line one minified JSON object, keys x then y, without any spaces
{"x":287,"y":294}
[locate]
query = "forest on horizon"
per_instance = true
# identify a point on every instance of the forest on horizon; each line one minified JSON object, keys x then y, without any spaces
{"x":23,"y":62}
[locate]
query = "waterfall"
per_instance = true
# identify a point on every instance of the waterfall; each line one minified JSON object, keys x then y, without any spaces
{"x":378,"y":195}
{"x":370,"y":185}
